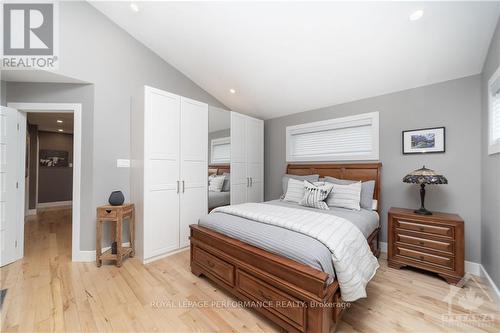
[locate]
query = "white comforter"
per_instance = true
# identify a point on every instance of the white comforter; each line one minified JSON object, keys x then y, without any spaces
{"x":354,"y":263}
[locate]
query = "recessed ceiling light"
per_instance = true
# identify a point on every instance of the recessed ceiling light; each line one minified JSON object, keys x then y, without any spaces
{"x":59,"y":121}
{"x":60,"y":130}
{"x":134,"y":7}
{"x":416,"y":15}
{"x":232,"y":91}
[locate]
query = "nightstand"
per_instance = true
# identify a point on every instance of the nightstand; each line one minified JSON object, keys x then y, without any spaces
{"x":430,"y":242}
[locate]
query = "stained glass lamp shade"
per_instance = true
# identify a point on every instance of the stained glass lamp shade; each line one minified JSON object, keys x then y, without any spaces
{"x":424,"y":177}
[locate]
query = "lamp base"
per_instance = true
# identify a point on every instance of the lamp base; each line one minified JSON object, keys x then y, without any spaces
{"x":422,"y":211}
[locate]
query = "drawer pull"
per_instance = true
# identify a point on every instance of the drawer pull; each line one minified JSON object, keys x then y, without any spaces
{"x":266,"y":297}
{"x":108,"y":211}
{"x":210,"y":264}
{"x":421,"y":257}
{"x":421,"y":228}
{"x":421,"y":243}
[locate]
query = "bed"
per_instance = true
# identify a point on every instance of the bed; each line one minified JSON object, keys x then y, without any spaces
{"x":270,"y":277}
{"x":217,"y":199}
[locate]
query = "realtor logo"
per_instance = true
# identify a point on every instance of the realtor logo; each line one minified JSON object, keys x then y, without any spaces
{"x":29,"y":36}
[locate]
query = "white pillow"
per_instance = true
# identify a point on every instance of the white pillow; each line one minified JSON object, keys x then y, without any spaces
{"x":215,"y":183}
{"x":345,"y":196}
{"x":315,"y":194}
{"x":294,"y":191}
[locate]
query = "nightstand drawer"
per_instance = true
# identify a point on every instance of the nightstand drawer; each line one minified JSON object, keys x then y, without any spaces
{"x":442,"y":230}
{"x":417,"y":239}
{"x":424,"y":257}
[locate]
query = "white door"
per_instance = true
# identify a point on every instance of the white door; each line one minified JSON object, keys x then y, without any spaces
{"x":239,"y":179}
{"x":11,"y":184}
{"x":193,"y":165}
{"x":161,"y":198}
{"x":255,"y":159}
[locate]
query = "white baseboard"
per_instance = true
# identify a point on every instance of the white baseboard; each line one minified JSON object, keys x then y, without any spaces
{"x":491,"y":284}
{"x":31,"y":212}
{"x":89,"y":256}
{"x":470,"y":267}
{"x":164,"y":255}
{"x":53,"y":204}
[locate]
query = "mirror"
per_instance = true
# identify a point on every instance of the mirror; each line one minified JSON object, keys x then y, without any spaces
{"x":219,"y":157}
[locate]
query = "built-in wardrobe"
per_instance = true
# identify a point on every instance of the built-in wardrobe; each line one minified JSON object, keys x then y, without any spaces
{"x":169,"y":165}
{"x":247,"y":159}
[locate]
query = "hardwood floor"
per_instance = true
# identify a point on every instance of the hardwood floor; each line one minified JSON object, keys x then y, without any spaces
{"x":47,"y":292}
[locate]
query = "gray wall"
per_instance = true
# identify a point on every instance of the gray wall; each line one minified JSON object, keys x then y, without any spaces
{"x":33,"y":157}
{"x":93,"y":49}
{"x":3,"y":93}
{"x":55,"y":184}
{"x":454,"y":104}
{"x":215,"y":135}
{"x":490,"y":180}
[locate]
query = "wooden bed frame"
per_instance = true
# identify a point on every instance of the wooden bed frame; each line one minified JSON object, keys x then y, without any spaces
{"x":295,"y":296}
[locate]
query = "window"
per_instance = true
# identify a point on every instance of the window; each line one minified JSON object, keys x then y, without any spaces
{"x":220,"y":151}
{"x":340,"y":139}
{"x":494,"y":113}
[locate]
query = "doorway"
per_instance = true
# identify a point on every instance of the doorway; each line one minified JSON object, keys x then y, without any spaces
{"x":21,"y":112}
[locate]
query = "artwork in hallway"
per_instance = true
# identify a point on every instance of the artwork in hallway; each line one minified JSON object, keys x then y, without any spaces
{"x":54,"y":158}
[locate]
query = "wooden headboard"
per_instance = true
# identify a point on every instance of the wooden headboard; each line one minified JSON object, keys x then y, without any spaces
{"x":221,"y":168}
{"x":352,"y":171}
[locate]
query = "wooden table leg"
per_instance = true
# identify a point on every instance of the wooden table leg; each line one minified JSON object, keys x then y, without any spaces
{"x":131,"y":228}
{"x":119,"y":253}
{"x":98,"y":243}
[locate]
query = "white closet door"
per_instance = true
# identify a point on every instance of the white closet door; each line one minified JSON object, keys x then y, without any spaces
{"x":239,"y":179}
{"x":254,"y":129}
{"x":161,"y":200}
{"x":9,"y":193}
{"x":194,"y":155}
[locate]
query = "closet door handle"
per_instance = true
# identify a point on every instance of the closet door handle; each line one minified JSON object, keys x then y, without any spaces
{"x":177,"y":186}
{"x":248,"y":182}
{"x":251,"y":182}
{"x":183,"y":186}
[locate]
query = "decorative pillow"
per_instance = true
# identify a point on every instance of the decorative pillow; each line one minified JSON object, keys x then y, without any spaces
{"x":367,"y":189}
{"x":315,"y":194}
{"x":295,"y":190}
{"x":311,"y":178}
{"x":215,"y":183}
{"x":226,"y":187}
{"x":345,"y":196}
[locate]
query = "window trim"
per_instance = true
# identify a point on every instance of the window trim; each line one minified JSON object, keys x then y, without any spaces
{"x":218,"y":142}
{"x":334,"y":123}
{"x":493,"y":147}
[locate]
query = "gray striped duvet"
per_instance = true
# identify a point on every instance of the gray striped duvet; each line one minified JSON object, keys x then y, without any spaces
{"x":290,"y":244}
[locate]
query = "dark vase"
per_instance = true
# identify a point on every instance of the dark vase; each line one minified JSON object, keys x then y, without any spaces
{"x":116,"y":198}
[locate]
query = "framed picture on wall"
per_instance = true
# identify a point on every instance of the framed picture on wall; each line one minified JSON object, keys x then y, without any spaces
{"x":424,"y":140}
{"x":54,"y":158}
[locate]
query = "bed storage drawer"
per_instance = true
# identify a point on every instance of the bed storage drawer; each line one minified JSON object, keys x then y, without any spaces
{"x":214,"y":265}
{"x":288,"y":308}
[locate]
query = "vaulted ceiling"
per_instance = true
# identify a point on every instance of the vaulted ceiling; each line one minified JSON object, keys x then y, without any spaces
{"x":287,"y":57}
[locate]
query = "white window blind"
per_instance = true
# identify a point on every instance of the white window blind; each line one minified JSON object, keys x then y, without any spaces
{"x":339,"y":139}
{"x":220,"y":150}
{"x":494,"y":113}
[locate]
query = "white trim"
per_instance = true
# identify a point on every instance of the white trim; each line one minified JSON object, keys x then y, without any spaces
{"x":470,"y":267}
{"x":370,"y":118}
{"x":32,"y":212}
{"x":53,"y":204}
{"x":492,"y":286}
{"x":493,"y":146}
{"x":76,"y":109}
{"x":164,"y":255}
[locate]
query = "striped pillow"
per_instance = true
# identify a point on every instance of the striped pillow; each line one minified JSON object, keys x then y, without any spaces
{"x":345,"y":196}
{"x":294,"y":191}
{"x":315,"y":194}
